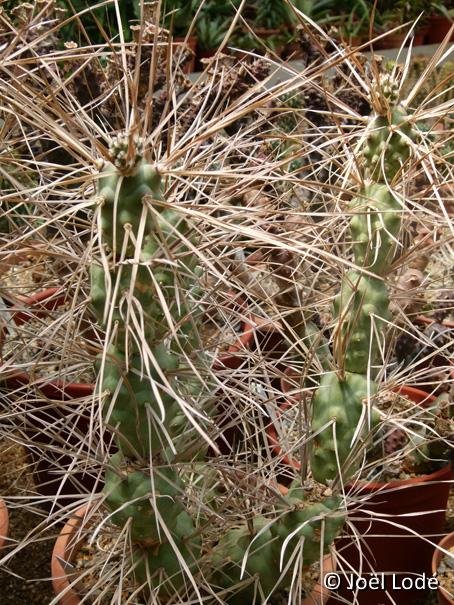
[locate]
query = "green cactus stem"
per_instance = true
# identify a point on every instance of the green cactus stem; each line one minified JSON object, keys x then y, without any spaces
{"x":138,"y":412}
{"x":146,"y":273}
{"x":160,"y":565}
{"x":374,"y":227}
{"x":129,"y":492}
{"x":123,"y":201}
{"x":260,"y":556}
{"x":362,"y":305}
{"x":391,"y":133}
{"x":340,"y":404}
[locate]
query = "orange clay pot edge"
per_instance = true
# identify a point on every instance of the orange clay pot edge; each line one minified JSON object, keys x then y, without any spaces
{"x":65,"y":550}
{"x":4,"y":523}
{"x":446,"y":543}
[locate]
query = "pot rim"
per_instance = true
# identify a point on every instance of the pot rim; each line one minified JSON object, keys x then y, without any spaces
{"x":426,"y":320}
{"x":51,"y":388}
{"x":445,"y":543}
{"x":60,"y":580}
{"x":4,"y":523}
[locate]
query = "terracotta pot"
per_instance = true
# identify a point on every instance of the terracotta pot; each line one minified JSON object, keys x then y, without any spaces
{"x":420,"y":35}
{"x":65,"y":549}
{"x":42,"y":445}
{"x":202,"y":58}
{"x":438,"y":29}
{"x":40,"y":303}
{"x":396,"y":40}
{"x":354,"y":41}
{"x":425,"y":368}
{"x":191,"y":44}
{"x":268,"y":336}
{"x":69,"y":541}
{"x":320,"y":594}
{"x":231,"y":431}
{"x":390,"y":41}
{"x":425,"y":320}
{"x":444,"y":598}
{"x":257,"y":334}
{"x":235,"y":354}
{"x":4,"y":523}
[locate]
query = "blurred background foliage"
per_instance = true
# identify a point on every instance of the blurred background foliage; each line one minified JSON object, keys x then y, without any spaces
{"x":275,"y":21}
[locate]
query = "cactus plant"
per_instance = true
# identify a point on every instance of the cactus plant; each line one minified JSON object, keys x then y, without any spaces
{"x":149,"y":262}
{"x":342,"y":414}
{"x":143,"y":248}
{"x":142,"y":293}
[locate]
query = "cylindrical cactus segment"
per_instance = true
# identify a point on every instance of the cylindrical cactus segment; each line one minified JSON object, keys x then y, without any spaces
{"x":142,"y":299}
{"x":138,"y":497}
{"x":123,"y":198}
{"x":160,"y":564}
{"x":264,"y":555}
{"x":362,"y":308}
{"x":339,"y":404}
{"x":374,"y":227}
{"x":149,"y":280}
{"x":388,"y":146}
{"x":117,"y":303}
{"x":137,"y":412}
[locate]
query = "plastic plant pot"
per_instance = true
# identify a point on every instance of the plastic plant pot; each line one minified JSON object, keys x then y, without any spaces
{"x":398,"y":524}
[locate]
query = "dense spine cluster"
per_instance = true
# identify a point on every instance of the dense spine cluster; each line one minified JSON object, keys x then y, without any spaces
{"x":341,"y":406}
{"x":136,"y":299}
{"x":149,"y":266}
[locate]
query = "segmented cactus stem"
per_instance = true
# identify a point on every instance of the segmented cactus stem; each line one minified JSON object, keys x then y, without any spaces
{"x":341,"y":405}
